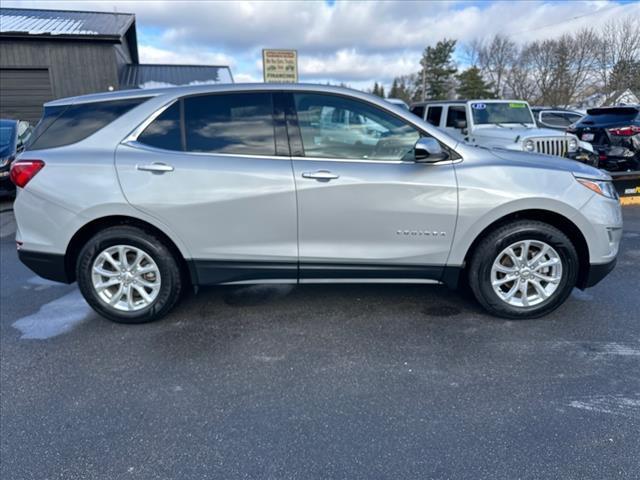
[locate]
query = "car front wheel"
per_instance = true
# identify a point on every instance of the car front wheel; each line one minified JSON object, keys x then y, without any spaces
{"x":128,"y":275}
{"x":524,"y":269}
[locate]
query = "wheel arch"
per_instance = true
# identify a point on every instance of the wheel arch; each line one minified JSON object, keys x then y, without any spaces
{"x":80,"y":238}
{"x":557,"y":220}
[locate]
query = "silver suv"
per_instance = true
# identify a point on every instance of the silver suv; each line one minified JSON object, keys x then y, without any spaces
{"x":138,"y":194}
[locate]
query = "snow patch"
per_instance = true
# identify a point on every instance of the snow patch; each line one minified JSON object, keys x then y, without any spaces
{"x":610,"y":404}
{"x":54,"y":318}
{"x":581,"y":295}
{"x":155,"y":84}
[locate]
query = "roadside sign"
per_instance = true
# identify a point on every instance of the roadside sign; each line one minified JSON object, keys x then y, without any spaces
{"x":280,"y":66}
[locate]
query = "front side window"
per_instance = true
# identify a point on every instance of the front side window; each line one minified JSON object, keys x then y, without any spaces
{"x":433,"y":115}
{"x":239,"y":123}
{"x":67,"y":124}
{"x":336,"y":127}
{"x":164,"y":132}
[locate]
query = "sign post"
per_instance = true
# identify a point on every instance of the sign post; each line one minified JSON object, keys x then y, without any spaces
{"x":280,"y":66}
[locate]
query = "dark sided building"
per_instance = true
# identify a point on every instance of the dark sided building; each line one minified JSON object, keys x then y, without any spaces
{"x":48,"y":54}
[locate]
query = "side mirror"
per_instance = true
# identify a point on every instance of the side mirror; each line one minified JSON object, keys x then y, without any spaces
{"x":428,"y":150}
{"x":460,"y":124}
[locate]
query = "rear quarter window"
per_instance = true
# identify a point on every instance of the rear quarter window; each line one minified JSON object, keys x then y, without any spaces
{"x":68,"y":124}
{"x":418,"y":110}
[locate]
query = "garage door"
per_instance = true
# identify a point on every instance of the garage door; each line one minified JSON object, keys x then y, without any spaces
{"x":23,"y":91}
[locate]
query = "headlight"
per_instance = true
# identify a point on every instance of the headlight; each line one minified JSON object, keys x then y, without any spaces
{"x":601,"y":187}
{"x":573,"y":144}
{"x":529,"y":146}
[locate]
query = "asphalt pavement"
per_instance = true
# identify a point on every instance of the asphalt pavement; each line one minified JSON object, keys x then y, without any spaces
{"x":320,"y":382}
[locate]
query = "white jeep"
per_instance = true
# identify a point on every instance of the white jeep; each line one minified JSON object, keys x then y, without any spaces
{"x":498,"y":124}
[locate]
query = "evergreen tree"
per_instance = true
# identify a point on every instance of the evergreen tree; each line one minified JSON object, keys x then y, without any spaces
{"x":395,"y":91}
{"x":472,"y":85}
{"x":436,"y":77}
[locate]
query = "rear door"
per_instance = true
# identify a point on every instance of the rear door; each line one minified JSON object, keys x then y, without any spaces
{"x":220,"y":179}
{"x":366,"y":209}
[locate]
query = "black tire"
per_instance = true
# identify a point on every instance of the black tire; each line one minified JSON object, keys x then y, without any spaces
{"x":502,"y":237}
{"x":171,"y":279}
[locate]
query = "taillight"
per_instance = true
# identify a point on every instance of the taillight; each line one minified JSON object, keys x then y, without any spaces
{"x":23,"y":171}
{"x":624,"y":131}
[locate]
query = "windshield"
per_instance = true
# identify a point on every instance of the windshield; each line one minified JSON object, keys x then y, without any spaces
{"x":7,"y":141}
{"x":499,"y":113}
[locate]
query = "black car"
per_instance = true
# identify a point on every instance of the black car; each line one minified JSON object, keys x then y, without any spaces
{"x":13,"y":135}
{"x":614,"y":133}
{"x":555,"y":118}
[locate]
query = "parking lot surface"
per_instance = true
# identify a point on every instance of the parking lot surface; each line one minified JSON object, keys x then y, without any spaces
{"x":311,"y":382}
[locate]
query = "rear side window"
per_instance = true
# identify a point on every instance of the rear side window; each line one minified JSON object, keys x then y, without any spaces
{"x":418,"y":110}
{"x":164,"y":132}
{"x":67,"y":124}
{"x":433,"y":115}
{"x":240,"y":123}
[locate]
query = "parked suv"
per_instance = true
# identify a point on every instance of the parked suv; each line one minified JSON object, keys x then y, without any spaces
{"x":615,"y":135}
{"x":138,"y":194}
{"x":505,"y":124}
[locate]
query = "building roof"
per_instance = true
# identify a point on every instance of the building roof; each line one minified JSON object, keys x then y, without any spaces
{"x":70,"y":25}
{"x":64,"y":22}
{"x":155,"y":76}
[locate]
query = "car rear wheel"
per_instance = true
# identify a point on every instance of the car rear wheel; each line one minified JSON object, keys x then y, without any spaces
{"x":525,"y":269}
{"x":128,"y":275}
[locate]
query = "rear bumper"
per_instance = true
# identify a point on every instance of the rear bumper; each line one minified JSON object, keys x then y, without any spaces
{"x":6,"y":186}
{"x":51,"y":266}
{"x":597,"y":272}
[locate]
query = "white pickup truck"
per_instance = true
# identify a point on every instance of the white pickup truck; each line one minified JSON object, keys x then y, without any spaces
{"x":500,"y":124}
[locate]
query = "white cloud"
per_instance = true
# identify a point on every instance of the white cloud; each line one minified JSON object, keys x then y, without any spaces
{"x":349,"y":41}
{"x":350,"y":65}
{"x":246,"y":78}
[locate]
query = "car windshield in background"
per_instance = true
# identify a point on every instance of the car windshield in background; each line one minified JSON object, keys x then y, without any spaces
{"x":7,"y":139}
{"x":500,"y":113}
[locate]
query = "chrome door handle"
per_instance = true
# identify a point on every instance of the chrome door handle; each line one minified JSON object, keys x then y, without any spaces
{"x":321,"y":175}
{"x":155,"y":167}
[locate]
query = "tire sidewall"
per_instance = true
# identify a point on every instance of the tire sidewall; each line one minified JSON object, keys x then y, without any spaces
{"x":135,"y":238}
{"x":551,"y":236}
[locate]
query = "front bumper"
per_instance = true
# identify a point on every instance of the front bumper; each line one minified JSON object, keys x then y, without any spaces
{"x":51,"y":266}
{"x":597,"y":272}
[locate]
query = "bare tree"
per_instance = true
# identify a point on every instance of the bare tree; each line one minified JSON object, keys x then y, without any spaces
{"x":495,"y":59}
{"x":619,"y":44}
{"x":519,"y":82}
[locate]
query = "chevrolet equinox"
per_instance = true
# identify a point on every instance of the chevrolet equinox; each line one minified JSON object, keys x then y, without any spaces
{"x":138,"y":194}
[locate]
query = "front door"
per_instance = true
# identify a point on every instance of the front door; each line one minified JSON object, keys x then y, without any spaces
{"x":217,"y":180}
{"x":366,"y":209}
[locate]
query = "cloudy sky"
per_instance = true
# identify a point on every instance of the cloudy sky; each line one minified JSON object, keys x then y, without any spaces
{"x":339,"y":41}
